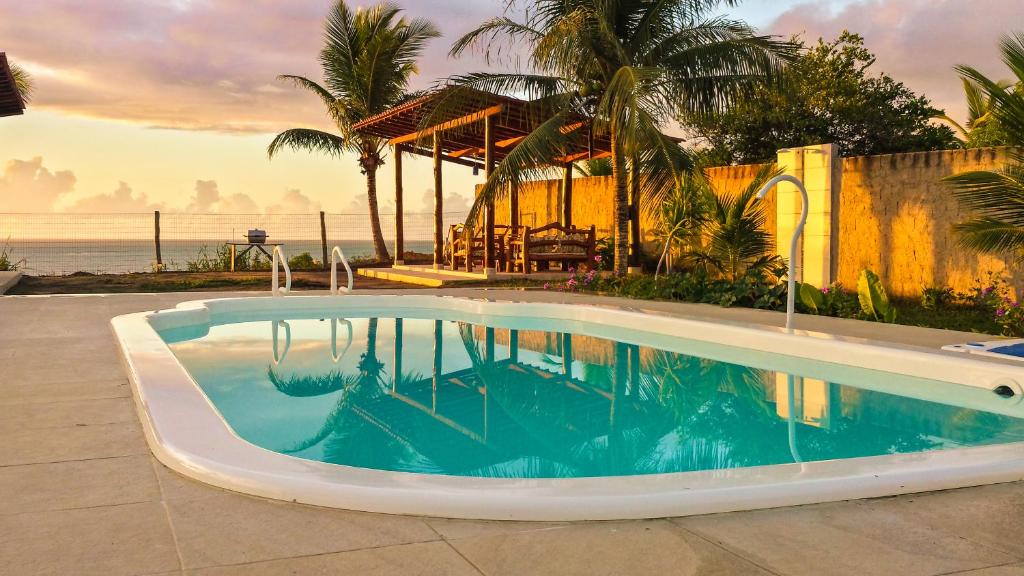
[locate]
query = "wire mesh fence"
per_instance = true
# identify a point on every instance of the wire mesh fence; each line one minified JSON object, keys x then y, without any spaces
{"x":65,"y":243}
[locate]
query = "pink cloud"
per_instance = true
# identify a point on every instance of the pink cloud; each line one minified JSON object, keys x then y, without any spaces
{"x":917,"y":41}
{"x":202,"y":65}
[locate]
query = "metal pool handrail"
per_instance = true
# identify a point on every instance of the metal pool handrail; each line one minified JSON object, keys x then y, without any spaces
{"x":279,"y":259}
{"x":279,"y":355}
{"x":794,"y":254}
{"x":334,"y":339}
{"x":337,"y":254}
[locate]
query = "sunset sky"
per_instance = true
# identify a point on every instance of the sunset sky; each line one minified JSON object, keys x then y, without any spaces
{"x":170,"y":104}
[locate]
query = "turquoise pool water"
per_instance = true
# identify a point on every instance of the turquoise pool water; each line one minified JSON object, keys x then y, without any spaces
{"x":535,"y":399}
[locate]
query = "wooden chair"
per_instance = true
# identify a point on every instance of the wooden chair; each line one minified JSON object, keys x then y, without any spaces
{"x":467,"y":252}
{"x":555,"y":243}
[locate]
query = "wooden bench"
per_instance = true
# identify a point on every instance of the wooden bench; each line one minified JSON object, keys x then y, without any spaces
{"x":553,"y":243}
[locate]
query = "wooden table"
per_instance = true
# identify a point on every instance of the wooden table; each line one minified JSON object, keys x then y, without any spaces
{"x":249,"y":246}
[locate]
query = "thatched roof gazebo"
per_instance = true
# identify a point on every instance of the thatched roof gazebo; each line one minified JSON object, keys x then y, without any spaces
{"x":11,"y":102}
{"x":475,"y":129}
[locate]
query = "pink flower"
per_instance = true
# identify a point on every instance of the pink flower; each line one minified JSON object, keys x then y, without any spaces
{"x":1000,"y":312}
{"x":597,"y":258}
{"x":826,"y":290}
{"x":547,"y":285}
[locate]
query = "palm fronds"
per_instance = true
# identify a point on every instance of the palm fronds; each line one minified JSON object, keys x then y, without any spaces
{"x":23,"y":82}
{"x":996,"y":197}
{"x":627,"y":66}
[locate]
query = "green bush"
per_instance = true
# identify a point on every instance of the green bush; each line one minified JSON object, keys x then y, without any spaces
{"x":220,"y":260}
{"x":304,"y":261}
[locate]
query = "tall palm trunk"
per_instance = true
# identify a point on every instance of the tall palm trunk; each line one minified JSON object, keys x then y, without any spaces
{"x":621,"y":231}
{"x":379,"y":247}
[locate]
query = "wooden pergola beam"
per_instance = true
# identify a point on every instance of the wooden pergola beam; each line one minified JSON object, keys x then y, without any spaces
{"x":582,"y":156}
{"x":449,"y":125}
{"x":466,"y":152}
{"x":446,"y":157}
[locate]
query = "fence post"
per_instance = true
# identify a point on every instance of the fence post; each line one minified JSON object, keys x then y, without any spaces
{"x":156,"y":238}
{"x":323,"y":239}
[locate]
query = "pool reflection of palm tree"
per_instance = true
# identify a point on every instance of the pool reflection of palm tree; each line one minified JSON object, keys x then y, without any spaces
{"x":348,"y":437}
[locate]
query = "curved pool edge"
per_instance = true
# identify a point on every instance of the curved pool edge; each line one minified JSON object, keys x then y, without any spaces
{"x":208,"y":450}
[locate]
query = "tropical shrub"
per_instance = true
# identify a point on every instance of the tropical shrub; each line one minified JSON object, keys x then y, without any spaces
{"x":831,"y":300}
{"x":874,"y":302}
{"x":7,"y":262}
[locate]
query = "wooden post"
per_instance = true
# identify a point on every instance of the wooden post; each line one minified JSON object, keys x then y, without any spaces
{"x":399,"y":337}
{"x":323,"y":239}
{"x":489,"y":344}
{"x":438,"y":205}
{"x":438,"y":362}
{"x":567,"y":354}
{"x":567,"y":195}
{"x":156,"y":239}
{"x":489,"y":263}
{"x":513,"y":345}
{"x":399,"y":227}
{"x":634,"y":217}
{"x":513,"y":214}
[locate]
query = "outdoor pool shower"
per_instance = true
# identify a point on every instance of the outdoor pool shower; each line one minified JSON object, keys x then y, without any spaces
{"x":794,"y":253}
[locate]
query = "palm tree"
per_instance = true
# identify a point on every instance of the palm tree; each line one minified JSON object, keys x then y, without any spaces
{"x":367,"y":59}
{"x":627,"y":66}
{"x":996,"y":197}
{"x":737,"y":240}
{"x":979,"y":109}
{"x":23,"y":82}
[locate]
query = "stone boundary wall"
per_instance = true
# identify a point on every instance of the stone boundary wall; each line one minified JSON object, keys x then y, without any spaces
{"x":896,"y":217}
{"x":892,"y":214}
{"x":540,"y":202}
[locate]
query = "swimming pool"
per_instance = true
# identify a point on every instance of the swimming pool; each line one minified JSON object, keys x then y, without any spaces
{"x":471,"y":408}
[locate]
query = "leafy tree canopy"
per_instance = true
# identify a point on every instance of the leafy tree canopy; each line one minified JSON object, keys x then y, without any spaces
{"x":828,"y":95}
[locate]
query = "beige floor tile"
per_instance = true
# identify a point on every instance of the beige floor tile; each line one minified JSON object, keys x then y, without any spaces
{"x":451,"y":529}
{"x":30,"y":390}
{"x":81,"y":484}
{"x":853,"y":538}
{"x":178,"y":487}
{"x":234,"y":529}
{"x":594,"y":549}
{"x":1010,"y":570}
{"x":70,"y":413}
{"x":989,"y":515}
{"x":428,"y":558}
{"x":106,"y":541}
{"x":27,"y":446}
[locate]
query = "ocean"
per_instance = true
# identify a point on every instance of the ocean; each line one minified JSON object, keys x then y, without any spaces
{"x":62,"y":243}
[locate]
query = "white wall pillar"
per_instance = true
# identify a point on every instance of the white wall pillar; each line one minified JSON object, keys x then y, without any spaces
{"x":817,"y":167}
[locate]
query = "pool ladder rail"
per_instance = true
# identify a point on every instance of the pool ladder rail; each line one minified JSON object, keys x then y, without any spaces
{"x":337,"y":254}
{"x":281,"y":262}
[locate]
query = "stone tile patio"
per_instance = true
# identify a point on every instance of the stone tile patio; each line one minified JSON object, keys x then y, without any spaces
{"x":80,"y":494}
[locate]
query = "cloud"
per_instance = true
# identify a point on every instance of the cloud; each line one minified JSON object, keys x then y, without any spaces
{"x":198,"y":65}
{"x":122,"y":200}
{"x":360,"y":204}
{"x":28,"y":186}
{"x":917,"y":41}
{"x":208,"y":200}
{"x":294,"y":202}
{"x":452,"y":202}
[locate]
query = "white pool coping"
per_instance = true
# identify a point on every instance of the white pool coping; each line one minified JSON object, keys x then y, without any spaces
{"x":187,"y":433}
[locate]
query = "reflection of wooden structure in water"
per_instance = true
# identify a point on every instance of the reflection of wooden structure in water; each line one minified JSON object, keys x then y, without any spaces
{"x":470,"y":405}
